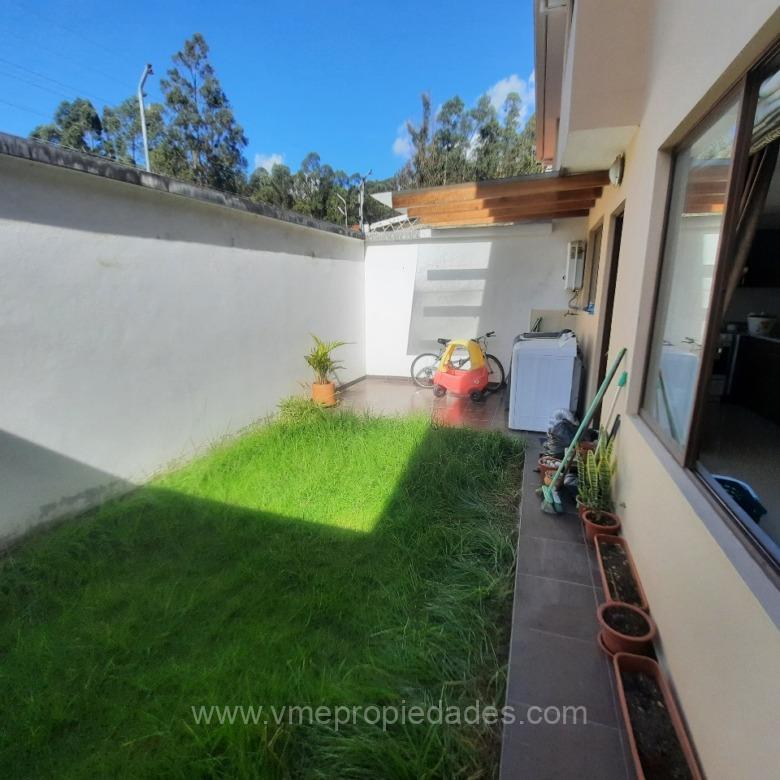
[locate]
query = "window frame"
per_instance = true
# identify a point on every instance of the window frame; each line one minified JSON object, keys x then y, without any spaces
{"x":683,"y":454}
{"x":593,"y":263}
{"x":687,"y":456}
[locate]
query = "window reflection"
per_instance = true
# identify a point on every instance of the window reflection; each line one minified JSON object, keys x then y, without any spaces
{"x":695,"y":219}
{"x":740,"y":448}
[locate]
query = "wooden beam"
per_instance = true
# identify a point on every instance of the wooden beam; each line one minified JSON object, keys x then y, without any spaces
{"x":454,"y":220}
{"x":702,"y":207}
{"x":530,"y":185}
{"x":713,"y":187}
{"x":520,"y":201}
{"x":711,"y":170}
{"x":513,"y":211}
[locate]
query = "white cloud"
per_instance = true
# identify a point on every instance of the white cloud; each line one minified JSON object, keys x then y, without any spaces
{"x":526,"y":88}
{"x":268,"y":161}
{"x":402,"y":146}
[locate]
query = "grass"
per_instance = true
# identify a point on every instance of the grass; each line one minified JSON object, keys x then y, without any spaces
{"x":322,"y":559}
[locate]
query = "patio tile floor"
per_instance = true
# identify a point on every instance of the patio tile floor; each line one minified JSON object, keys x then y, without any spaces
{"x":554,"y":659}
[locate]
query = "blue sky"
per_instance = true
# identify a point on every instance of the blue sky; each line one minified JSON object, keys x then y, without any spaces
{"x":339,"y":78}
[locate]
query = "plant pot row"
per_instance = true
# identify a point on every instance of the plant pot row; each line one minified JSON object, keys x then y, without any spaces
{"x":659,"y":743}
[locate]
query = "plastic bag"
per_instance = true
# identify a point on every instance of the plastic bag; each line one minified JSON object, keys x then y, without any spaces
{"x":559,"y":437}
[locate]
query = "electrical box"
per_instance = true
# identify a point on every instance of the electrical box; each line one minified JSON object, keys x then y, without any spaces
{"x":575,"y":266}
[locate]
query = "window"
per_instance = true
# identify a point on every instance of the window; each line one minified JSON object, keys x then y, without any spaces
{"x":701,"y":170}
{"x":589,"y":304}
{"x":713,"y":371}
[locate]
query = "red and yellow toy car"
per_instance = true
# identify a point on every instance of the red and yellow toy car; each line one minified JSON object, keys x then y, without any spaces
{"x":471,"y":380}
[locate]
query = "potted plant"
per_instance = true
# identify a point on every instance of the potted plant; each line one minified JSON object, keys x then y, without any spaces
{"x":323,"y":391}
{"x":619,"y":576}
{"x":594,"y":489}
{"x":548,"y":465}
{"x":656,"y":734}
{"x":624,"y":628}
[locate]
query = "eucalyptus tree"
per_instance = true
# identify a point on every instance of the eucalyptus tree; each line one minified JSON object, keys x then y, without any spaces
{"x":76,"y":125}
{"x":203,"y":141}
{"x":122,"y":139}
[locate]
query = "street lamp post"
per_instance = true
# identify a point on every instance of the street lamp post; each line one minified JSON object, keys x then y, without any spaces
{"x":146,"y":73}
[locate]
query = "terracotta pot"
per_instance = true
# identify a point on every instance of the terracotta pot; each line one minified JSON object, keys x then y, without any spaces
{"x":591,"y":528}
{"x":615,"y":641}
{"x":323,"y":394}
{"x":627,"y":663}
{"x":619,"y":541}
{"x":547,"y":468}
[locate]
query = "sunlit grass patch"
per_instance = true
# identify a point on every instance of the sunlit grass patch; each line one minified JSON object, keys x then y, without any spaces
{"x":324,"y":559}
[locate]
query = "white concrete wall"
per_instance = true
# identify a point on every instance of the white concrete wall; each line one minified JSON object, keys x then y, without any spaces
{"x":137,"y":327}
{"x":390,"y":274}
{"x":460,"y":284}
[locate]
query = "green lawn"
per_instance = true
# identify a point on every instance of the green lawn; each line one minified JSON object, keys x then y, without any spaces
{"x":322,"y":559}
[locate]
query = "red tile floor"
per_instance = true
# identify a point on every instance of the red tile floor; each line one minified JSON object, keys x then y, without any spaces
{"x":396,"y":395}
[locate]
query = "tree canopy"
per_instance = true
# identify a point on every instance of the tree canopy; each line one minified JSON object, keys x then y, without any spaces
{"x":203,"y":142}
{"x":76,"y":125}
{"x":469,"y":144}
{"x":194,"y":135}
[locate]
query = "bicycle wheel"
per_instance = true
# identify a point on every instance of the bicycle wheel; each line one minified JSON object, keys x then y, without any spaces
{"x":423,"y":369}
{"x":495,"y":372}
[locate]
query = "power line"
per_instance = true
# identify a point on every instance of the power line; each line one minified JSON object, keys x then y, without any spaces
{"x":58,"y":92}
{"x":66,"y":57}
{"x":53,"y":81}
{"x":24,"y":108}
{"x":71,"y":30}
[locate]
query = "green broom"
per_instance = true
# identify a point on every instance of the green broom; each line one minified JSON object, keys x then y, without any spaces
{"x":551,"y":501}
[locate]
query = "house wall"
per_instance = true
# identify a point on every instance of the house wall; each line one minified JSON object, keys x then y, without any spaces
{"x":717,"y":611}
{"x":137,"y":327}
{"x":460,"y":284}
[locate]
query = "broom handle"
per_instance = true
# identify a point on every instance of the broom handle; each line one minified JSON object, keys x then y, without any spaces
{"x":594,"y":404}
{"x":621,"y":382}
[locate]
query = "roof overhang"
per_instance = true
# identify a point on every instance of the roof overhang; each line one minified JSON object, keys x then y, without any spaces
{"x":591,"y":72}
{"x":502,"y":201}
{"x":551,"y":23}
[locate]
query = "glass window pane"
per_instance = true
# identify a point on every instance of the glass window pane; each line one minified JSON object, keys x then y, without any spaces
{"x":740,"y":432}
{"x":595,"y":257}
{"x":695,"y":217}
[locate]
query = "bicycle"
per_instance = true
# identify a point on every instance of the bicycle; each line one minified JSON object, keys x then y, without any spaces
{"x":424,"y":366}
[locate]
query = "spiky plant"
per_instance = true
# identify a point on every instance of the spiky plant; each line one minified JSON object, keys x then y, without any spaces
{"x":595,"y":469}
{"x":321,"y":360}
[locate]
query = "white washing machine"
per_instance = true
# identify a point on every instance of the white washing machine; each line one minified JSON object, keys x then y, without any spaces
{"x":546,"y":372}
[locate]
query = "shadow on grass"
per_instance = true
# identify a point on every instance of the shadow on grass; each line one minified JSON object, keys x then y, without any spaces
{"x":116,"y":624}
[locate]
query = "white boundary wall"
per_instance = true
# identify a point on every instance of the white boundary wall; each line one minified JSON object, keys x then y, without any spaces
{"x":460,"y":284}
{"x":137,"y":327}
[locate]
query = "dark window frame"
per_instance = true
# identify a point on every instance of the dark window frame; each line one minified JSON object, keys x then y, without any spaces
{"x":682,"y":454}
{"x":591,"y":276}
{"x":746,"y":91}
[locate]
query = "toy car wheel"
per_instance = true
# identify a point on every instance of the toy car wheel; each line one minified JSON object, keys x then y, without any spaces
{"x":439,"y":391}
{"x":477,"y":395}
